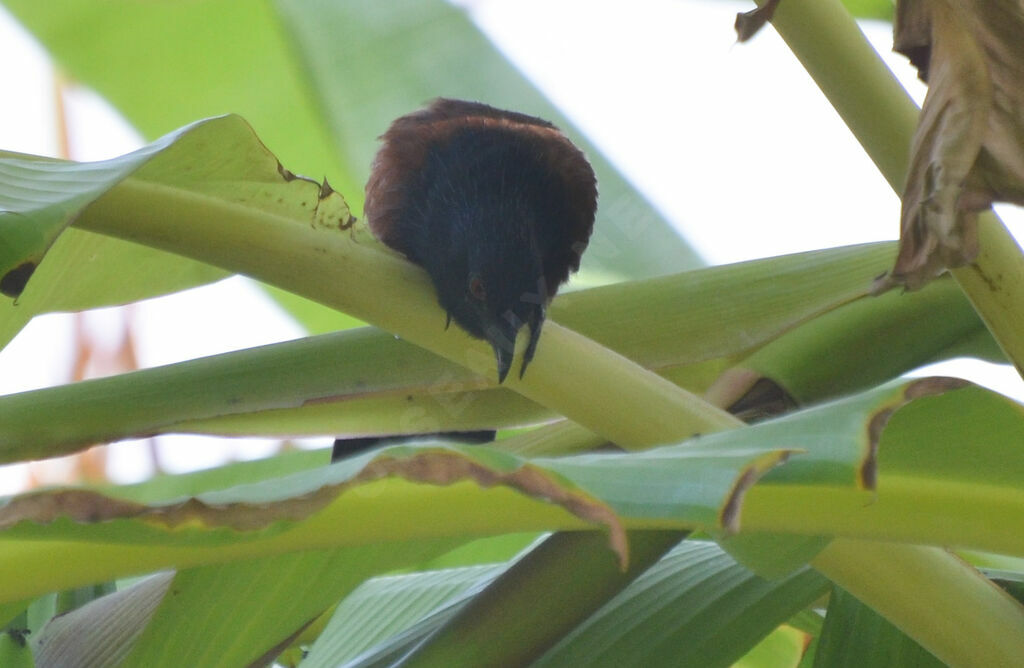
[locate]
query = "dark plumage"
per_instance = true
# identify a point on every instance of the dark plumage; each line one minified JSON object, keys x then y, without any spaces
{"x":496,"y":206}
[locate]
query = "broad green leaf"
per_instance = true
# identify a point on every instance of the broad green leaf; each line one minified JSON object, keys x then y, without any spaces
{"x":83,"y":270}
{"x":238,"y":60}
{"x":839,"y":440}
{"x":282,"y":595}
{"x":498,"y":624}
{"x":697,"y":607}
{"x":39,"y":198}
{"x":854,"y":635}
{"x":14,"y":650}
{"x":165,"y":488}
{"x":365,"y":500}
{"x":143,"y":623}
{"x":839,"y":352}
{"x":394,"y":648}
{"x":916,"y":439}
{"x":384,"y":607}
{"x":883,"y":402}
{"x":815,"y":493}
{"x":100,"y":633}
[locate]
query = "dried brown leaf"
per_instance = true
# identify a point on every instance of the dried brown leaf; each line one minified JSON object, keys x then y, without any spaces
{"x":437,"y":467}
{"x":968,"y":150}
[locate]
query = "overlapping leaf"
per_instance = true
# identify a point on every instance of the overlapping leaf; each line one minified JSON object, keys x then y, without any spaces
{"x":218,"y":158}
{"x":671,"y":614}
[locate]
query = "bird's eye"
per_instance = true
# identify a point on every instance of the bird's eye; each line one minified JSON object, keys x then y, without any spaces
{"x":476,"y":288}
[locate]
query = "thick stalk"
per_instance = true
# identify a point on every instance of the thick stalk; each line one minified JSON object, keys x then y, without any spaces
{"x":884,"y":573}
{"x":577,"y":377}
{"x":830,"y":45}
{"x":880,"y":114}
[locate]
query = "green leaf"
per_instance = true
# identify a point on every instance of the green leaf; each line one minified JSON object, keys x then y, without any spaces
{"x":165,"y":488}
{"x":911,"y":329}
{"x":11,"y":610}
{"x":14,"y":650}
{"x":39,"y":198}
{"x":854,"y":635}
{"x":696,"y":607}
{"x":663,"y":617}
{"x":245,"y":612}
{"x":309,"y":510}
{"x":100,"y":633}
{"x":84,"y":270}
{"x":916,"y":436}
{"x":384,"y":607}
{"x":497,"y":625}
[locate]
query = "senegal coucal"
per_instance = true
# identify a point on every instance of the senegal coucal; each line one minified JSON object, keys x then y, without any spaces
{"x":496,"y":206}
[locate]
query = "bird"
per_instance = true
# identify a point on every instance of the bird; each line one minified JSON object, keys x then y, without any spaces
{"x":496,"y":206}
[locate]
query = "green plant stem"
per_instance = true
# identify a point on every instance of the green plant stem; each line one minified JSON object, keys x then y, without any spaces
{"x":912,"y":329}
{"x":882,"y":574}
{"x":904,"y":511}
{"x":995,"y":285}
{"x":561,"y":438}
{"x":883,"y":118}
{"x":826,"y":39}
{"x":525,"y":612}
{"x":579,"y":378}
{"x":832,"y":48}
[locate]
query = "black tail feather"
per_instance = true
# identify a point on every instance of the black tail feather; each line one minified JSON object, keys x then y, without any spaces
{"x":346,"y":447}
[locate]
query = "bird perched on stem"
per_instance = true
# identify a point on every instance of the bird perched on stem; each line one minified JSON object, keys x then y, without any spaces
{"x":496,"y":206}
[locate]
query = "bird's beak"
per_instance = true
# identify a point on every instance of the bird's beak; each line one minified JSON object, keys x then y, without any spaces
{"x":502,"y":338}
{"x":536,"y":320}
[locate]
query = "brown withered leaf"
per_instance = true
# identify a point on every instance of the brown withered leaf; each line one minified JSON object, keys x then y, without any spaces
{"x":968,"y":150}
{"x":435,"y":466}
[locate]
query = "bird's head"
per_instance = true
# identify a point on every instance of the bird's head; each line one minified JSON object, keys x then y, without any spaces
{"x":492,"y":288}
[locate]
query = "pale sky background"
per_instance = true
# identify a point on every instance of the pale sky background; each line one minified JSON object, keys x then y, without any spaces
{"x":703,"y":126}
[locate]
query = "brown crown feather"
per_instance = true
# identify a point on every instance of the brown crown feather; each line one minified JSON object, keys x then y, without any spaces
{"x":408,"y":140}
